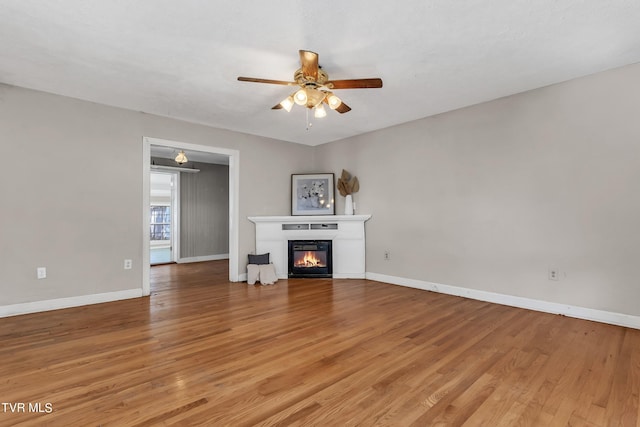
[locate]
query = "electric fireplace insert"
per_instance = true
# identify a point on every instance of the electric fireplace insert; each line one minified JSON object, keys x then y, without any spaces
{"x":310,"y":258}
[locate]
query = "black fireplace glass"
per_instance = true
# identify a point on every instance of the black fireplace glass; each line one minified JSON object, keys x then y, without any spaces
{"x":310,"y":258}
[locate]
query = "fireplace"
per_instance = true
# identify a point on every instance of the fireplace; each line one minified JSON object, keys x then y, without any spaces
{"x":310,"y":258}
{"x":346,"y":233}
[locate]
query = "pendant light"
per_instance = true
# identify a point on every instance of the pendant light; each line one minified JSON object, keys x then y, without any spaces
{"x":181,"y":158}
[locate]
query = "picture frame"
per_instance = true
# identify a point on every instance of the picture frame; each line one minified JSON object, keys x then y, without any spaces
{"x":312,"y":194}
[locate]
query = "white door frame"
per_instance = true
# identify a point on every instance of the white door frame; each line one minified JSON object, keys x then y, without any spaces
{"x":175,"y":216}
{"x":234,"y":189}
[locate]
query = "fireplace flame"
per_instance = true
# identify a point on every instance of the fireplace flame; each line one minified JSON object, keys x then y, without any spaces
{"x":309,"y":259}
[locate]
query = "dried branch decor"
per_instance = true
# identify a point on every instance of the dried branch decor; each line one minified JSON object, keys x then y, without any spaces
{"x":347,"y":184}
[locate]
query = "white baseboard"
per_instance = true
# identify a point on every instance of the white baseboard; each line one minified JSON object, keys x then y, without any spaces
{"x":59,"y":303}
{"x":514,"y":301}
{"x":203,"y":258}
{"x":349,"y":276}
{"x":242,"y":277}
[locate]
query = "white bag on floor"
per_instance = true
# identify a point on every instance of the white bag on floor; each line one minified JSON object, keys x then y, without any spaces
{"x":253,"y":273}
{"x":268,"y":274}
{"x":263,"y":273}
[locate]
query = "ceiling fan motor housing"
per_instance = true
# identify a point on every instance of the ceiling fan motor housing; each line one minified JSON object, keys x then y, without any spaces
{"x":302,"y":80}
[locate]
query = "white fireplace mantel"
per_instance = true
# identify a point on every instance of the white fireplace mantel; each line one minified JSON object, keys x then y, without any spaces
{"x":345,"y":231}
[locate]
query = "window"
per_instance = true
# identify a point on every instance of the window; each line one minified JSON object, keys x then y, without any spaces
{"x":160,"y":224}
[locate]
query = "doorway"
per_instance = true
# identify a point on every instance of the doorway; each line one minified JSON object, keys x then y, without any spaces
{"x":232,"y":158}
{"x":164,"y":217}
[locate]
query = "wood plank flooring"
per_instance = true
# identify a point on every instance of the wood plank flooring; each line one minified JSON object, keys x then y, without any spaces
{"x":312,"y":352}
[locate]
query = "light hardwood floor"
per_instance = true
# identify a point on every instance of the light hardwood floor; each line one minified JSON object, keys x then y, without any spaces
{"x":202,"y":351}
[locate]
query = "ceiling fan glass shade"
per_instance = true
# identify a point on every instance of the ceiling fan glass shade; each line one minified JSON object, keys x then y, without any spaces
{"x":333,"y":101}
{"x":320,"y":112}
{"x":181,"y":158}
{"x":300,"y":97}
{"x":287,"y":103}
{"x":314,"y":97}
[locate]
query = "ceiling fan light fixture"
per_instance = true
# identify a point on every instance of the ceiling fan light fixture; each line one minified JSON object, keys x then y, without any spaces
{"x":181,"y":158}
{"x":333,"y":101}
{"x":314,"y":97}
{"x":300,"y":97}
{"x":320,"y":112}
{"x":315,"y":86}
{"x":287,"y":103}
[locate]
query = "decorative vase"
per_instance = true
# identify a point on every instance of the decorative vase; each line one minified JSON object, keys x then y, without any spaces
{"x":348,"y":205}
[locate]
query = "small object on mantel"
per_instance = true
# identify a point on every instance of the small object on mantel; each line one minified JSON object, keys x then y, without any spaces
{"x":347,"y":184}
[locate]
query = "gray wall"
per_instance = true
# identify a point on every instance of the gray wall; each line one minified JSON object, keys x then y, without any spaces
{"x":204,"y":211}
{"x":488,"y":197}
{"x":72,"y":191}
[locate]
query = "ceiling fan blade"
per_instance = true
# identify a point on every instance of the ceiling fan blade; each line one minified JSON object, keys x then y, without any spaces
{"x":355,"y":84}
{"x":277,"y":107}
{"x":343,"y":108}
{"x":273,"y":82}
{"x":309,"y":62}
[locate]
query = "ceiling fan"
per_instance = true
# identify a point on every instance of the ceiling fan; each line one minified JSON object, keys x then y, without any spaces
{"x":315,"y":87}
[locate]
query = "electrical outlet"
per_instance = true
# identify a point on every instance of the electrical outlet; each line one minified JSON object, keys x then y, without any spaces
{"x":41,"y":272}
{"x":387,"y":255}
{"x":554,"y":274}
{"x":128,"y":264}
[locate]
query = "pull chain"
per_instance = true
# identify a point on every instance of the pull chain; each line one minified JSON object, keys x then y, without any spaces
{"x":309,"y":124}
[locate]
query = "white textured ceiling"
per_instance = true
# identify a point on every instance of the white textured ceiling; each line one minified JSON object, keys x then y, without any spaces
{"x":181,"y":58}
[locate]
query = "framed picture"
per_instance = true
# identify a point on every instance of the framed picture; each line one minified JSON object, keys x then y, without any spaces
{"x":312,"y":194}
